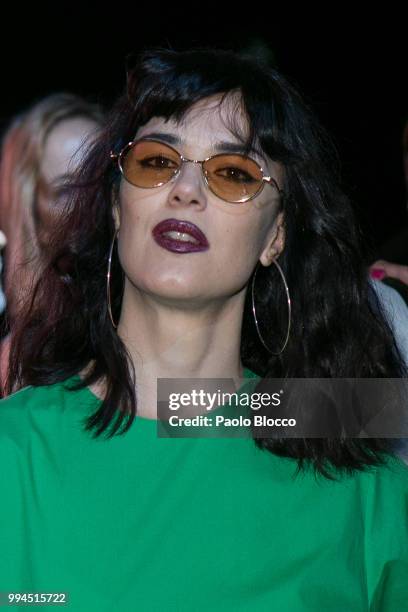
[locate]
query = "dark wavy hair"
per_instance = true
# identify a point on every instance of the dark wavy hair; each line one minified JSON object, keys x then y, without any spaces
{"x":338,"y":328}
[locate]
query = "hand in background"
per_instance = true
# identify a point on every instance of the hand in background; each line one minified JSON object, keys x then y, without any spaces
{"x":384,"y":269}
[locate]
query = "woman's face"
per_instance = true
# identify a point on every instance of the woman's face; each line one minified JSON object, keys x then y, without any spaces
{"x":238,"y":235}
{"x":61,"y":157}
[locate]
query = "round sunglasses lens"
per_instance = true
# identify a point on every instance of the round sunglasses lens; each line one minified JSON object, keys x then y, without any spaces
{"x":150,"y":164}
{"x":234,"y":178}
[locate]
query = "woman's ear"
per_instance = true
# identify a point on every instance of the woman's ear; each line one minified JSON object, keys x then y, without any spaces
{"x":276,"y":242}
{"x":116,"y":210}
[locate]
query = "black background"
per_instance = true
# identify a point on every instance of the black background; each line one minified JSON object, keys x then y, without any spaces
{"x":353,"y":71}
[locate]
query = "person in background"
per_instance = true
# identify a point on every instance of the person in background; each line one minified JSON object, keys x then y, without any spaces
{"x":382,"y":269}
{"x":392,"y":297}
{"x":40,"y":152}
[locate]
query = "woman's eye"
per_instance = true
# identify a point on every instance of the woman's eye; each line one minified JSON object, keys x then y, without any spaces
{"x":235,"y":174}
{"x":158,"y":162}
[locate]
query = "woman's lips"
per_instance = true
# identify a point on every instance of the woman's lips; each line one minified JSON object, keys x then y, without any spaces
{"x":180,"y":244}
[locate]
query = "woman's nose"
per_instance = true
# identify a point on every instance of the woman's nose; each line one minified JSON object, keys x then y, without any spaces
{"x":188,"y":187}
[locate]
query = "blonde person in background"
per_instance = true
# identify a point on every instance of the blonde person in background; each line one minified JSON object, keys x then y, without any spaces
{"x":40,"y":151}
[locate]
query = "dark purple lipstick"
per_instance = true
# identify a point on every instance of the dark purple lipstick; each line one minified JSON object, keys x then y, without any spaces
{"x":192,"y":241}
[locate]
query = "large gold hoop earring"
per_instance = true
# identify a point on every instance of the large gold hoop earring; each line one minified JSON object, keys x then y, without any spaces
{"x":108,"y":275}
{"x":289,"y":309}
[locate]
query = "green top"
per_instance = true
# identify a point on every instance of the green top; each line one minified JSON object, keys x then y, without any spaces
{"x":150,"y":524}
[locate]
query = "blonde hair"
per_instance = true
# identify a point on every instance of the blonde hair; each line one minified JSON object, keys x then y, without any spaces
{"x":21,"y":153}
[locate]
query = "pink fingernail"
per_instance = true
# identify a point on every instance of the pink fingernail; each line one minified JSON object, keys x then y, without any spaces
{"x":377,"y":273}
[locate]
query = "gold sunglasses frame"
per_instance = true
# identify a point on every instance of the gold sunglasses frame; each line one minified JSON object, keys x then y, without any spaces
{"x":269,"y":180}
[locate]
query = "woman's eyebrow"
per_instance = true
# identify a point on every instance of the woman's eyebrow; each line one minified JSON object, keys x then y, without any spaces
{"x":220,"y":147}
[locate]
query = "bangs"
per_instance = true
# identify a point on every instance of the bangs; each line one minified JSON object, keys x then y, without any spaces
{"x":255,"y":112}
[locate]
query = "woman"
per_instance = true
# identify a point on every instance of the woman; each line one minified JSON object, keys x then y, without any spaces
{"x":40,"y":149}
{"x":154,"y":279}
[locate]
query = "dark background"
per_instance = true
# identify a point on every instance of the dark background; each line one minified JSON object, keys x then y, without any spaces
{"x":353,"y":72}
